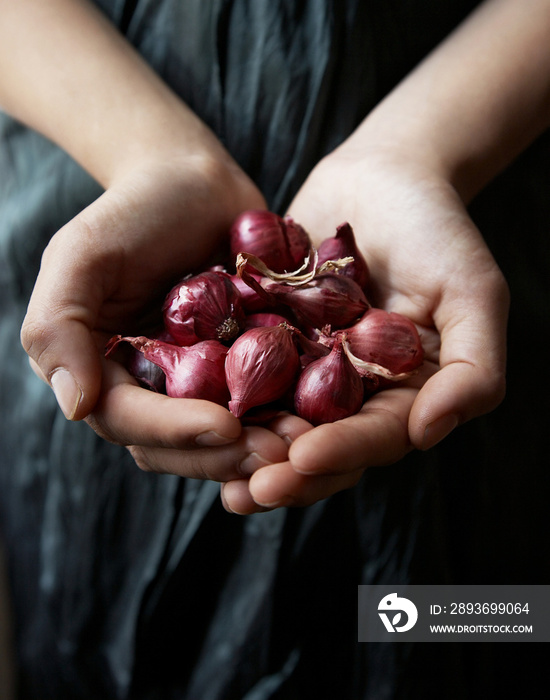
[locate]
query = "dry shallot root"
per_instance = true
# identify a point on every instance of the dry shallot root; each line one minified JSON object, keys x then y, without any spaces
{"x":282,"y":327}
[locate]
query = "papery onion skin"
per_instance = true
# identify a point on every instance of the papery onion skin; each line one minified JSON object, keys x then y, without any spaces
{"x":342,"y":245}
{"x":192,"y":372}
{"x":328,"y":299}
{"x":250,"y":300}
{"x":206,"y":306}
{"x":260,"y":367}
{"x":388,"y":339}
{"x":280,"y":242}
{"x":329,"y":389}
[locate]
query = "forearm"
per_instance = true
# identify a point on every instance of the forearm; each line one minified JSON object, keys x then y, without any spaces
{"x":71,"y":76}
{"x":477,"y":101}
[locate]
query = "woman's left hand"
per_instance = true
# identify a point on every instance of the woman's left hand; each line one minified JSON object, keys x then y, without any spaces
{"x":428,"y":262}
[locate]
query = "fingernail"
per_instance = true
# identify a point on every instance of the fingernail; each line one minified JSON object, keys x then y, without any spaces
{"x":67,"y":392}
{"x":211,"y":438}
{"x":251,"y":463}
{"x":282,"y":502}
{"x":439,"y":429}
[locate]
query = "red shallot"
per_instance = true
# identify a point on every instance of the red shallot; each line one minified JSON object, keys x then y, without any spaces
{"x":327,"y":299}
{"x":329,"y":388}
{"x":343,"y":245}
{"x":280,"y":242}
{"x":193,"y":372}
{"x":386,"y":340}
{"x":322,"y":298}
{"x":291,"y":330}
{"x":206,"y":306}
{"x":261,"y":366}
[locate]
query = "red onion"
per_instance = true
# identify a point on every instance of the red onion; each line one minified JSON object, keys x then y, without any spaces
{"x":341,"y":246}
{"x":388,"y":341}
{"x":206,"y":306}
{"x":329,"y":389}
{"x":193,"y":372}
{"x":281,"y":243}
{"x":261,"y":366}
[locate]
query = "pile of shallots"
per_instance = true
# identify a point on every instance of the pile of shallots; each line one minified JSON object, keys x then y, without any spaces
{"x":282,"y":327}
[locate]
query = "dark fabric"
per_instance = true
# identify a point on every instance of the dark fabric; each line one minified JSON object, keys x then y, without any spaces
{"x":133,"y":585}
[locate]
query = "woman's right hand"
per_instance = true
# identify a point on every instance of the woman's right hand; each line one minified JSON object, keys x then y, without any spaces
{"x":100,"y":273}
{"x":171,"y":190}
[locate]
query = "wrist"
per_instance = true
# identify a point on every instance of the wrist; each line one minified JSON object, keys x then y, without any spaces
{"x":476,"y":101}
{"x":427,"y":143}
{"x":91,"y":92}
{"x":168,"y":135}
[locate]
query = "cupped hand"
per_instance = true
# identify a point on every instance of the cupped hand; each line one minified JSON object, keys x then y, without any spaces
{"x":100,"y":275}
{"x":427,"y":261}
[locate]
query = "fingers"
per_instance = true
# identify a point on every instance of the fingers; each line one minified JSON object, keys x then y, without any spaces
{"x":235,"y":495}
{"x":289,"y":427}
{"x":471,"y":379}
{"x":127,"y":414}
{"x":254,"y":449}
{"x":329,"y":458}
{"x":66,"y":357}
{"x":375,"y":436}
{"x":462,"y":378}
{"x":56,"y":332}
{"x":280,"y":485}
{"x":187,"y":437}
{"x":459,"y":392}
{"x":236,"y":498}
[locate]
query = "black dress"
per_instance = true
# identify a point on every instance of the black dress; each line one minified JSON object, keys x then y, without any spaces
{"x":135,"y":585}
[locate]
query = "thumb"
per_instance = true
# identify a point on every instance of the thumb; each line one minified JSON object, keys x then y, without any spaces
{"x":57,"y":329}
{"x":472,"y":378}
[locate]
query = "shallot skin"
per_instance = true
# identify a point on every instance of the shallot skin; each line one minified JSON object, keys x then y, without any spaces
{"x":250,"y":300}
{"x":329,"y":389}
{"x":260,"y":367}
{"x":206,"y":306}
